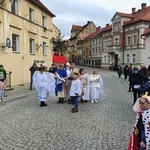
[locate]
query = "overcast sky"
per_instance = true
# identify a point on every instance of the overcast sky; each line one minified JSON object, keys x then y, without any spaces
{"x":78,"y":12}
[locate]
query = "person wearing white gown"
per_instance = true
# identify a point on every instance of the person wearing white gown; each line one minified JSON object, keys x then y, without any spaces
{"x":44,"y":83}
{"x":95,"y":87}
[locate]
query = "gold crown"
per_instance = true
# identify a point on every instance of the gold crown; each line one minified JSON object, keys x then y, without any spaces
{"x":146,"y":95}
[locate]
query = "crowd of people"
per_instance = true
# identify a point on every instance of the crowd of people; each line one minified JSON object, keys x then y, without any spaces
{"x":139,"y":84}
{"x":66,"y":82}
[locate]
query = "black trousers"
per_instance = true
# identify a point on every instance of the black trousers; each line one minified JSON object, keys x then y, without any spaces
{"x":136,"y":94}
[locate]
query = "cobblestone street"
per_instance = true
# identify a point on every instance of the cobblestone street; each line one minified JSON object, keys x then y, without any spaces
{"x":105,"y":125}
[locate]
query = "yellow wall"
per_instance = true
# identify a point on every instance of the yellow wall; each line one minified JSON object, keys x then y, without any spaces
{"x":19,"y":63}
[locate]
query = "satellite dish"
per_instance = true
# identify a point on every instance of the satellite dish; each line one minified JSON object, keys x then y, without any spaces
{"x":1,"y":1}
{"x":8,"y":43}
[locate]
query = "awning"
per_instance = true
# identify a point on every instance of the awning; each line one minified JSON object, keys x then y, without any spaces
{"x":59,"y":59}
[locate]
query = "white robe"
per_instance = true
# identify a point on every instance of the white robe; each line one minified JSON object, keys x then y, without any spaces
{"x":76,"y":87}
{"x":96,"y":86}
{"x":44,"y":83}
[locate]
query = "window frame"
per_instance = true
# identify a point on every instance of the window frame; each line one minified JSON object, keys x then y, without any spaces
{"x":31,"y":14}
{"x":15,"y":43}
{"x":32,"y":46}
{"x":44,"y":48}
{"x":14,"y":6}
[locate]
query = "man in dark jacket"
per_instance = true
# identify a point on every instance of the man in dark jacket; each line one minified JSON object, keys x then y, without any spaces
{"x":137,"y":81}
{"x":32,"y":69}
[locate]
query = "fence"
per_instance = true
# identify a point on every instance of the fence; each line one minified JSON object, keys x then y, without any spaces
{"x":8,"y":79}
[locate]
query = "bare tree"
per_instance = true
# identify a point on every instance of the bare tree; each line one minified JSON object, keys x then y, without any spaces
{"x":59,"y":45}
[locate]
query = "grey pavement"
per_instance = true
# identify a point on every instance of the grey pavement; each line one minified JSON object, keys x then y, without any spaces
{"x":105,"y":125}
{"x":18,"y":91}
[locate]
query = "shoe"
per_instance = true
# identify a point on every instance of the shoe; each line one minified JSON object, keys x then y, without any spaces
{"x":69,"y":99}
{"x":3,"y":100}
{"x":92,"y":101}
{"x":82,"y":100}
{"x":129,"y":91}
{"x":85,"y":101}
{"x":0,"y":100}
{"x":74,"y":110}
{"x":59,"y":101}
{"x":96,"y":101}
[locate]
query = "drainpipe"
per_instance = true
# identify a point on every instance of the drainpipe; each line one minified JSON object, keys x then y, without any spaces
{"x":123,"y":46}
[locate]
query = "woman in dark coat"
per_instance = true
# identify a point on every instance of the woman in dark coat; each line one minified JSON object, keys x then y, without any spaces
{"x":119,"y":71}
{"x":125,"y":72}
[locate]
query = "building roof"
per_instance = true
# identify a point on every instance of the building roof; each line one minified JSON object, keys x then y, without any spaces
{"x":125,"y":15}
{"x":79,"y":28}
{"x":42,"y":6}
{"x":99,"y":31}
{"x":93,"y":34}
{"x":76,"y":27}
{"x":140,"y":15}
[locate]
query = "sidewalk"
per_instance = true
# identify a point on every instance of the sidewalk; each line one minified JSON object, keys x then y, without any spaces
{"x":17,"y":92}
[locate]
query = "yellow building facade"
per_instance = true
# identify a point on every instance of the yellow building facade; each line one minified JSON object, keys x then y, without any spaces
{"x":26,"y":32}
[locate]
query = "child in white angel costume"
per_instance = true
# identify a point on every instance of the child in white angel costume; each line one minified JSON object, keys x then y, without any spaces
{"x":96,"y":86}
{"x":44,"y":83}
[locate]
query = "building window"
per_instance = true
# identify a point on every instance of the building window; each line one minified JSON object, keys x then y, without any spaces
{"x":105,"y":44}
{"x":133,"y":58}
{"x":109,"y":42}
{"x":104,"y":59}
{"x":31,"y":14}
{"x":116,"y":42}
{"x":32,"y":46}
{"x":128,"y":40}
{"x":128,"y":58}
{"x":134,"y":39}
{"x":44,"y":48}
{"x":93,"y":52}
{"x":44,"y":21}
{"x":15,"y":43}
{"x":14,"y":6}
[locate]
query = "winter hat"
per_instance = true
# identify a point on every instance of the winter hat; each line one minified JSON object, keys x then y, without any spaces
{"x":34,"y":63}
{"x":43,"y":65}
{"x":1,"y":74}
{"x":68,"y":64}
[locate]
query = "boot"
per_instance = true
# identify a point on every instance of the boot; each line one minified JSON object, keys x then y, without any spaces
{"x":75,"y":110}
{"x":62,"y":100}
{"x":43,"y":104}
{"x":59,"y":100}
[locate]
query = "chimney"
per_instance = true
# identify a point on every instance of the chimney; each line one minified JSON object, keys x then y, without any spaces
{"x":133,"y":10}
{"x":88,"y":22}
{"x":143,"y":5}
{"x":98,"y":28}
{"x":107,"y":25}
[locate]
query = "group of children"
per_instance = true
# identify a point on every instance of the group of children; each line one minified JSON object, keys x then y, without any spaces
{"x":68,"y":82}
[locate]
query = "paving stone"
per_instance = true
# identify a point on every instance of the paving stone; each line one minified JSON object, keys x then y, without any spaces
{"x":100,"y":126}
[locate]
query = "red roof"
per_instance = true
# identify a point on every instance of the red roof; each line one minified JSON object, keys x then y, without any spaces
{"x":77,"y":27}
{"x":140,"y":15}
{"x":99,"y":30}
